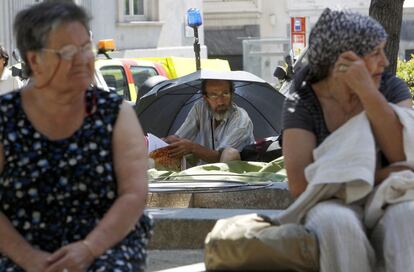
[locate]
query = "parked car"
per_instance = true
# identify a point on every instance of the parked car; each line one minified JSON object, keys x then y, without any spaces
{"x":123,"y":75}
{"x":126,"y":76}
{"x":179,"y":66}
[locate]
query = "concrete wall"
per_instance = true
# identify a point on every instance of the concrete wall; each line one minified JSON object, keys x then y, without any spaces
{"x":227,"y":23}
{"x":230,"y":23}
{"x":313,"y":8}
{"x":274,"y":20}
{"x":8,"y":9}
{"x":161,"y":33}
{"x":223,"y":13}
{"x":106,"y":24}
{"x":164,"y":30}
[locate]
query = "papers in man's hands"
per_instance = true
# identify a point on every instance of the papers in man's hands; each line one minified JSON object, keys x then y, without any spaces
{"x":159,"y":153}
{"x":154,"y":142}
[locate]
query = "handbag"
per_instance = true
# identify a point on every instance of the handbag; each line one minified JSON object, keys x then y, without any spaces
{"x":264,"y":150}
{"x":251,"y":243}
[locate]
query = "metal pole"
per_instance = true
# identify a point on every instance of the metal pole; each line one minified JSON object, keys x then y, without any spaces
{"x":197,"y":48}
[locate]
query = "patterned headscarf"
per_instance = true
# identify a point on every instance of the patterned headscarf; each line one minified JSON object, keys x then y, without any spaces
{"x":336,"y":32}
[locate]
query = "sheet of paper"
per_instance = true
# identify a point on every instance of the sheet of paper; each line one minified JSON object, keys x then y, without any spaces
{"x":154,"y":142}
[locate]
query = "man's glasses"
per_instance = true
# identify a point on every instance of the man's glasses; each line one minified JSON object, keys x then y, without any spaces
{"x":69,"y":51}
{"x":216,"y":96}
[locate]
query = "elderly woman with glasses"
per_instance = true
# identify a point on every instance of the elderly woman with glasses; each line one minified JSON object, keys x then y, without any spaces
{"x":346,"y":76}
{"x":73,"y":158}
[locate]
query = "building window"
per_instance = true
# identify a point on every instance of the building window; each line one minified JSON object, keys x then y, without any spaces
{"x":133,"y":7}
{"x":137,"y":10}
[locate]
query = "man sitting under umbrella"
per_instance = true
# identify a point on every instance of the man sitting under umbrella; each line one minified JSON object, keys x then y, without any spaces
{"x":215,"y":130}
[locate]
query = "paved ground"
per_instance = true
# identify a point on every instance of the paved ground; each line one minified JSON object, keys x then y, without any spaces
{"x":160,"y":260}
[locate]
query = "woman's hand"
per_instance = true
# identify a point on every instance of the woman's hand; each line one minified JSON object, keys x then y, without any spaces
{"x":36,"y":261}
{"x":352,"y":70}
{"x":383,"y":173}
{"x":75,"y":257}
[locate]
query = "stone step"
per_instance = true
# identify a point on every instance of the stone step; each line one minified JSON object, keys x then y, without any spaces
{"x":186,"y":228}
{"x":187,"y":260}
{"x":197,"y":267}
{"x":274,"y":196}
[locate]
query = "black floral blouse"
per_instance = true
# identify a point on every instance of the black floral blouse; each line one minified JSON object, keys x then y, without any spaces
{"x":54,"y":192}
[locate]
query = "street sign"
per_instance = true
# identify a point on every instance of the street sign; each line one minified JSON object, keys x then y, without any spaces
{"x":298,"y":34}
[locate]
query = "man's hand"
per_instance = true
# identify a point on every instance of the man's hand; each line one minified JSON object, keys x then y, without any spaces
{"x":74,"y":257}
{"x":171,"y":139}
{"x":180,"y":147}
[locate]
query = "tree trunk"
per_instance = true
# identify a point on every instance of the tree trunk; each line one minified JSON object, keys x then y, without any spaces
{"x":389,"y":14}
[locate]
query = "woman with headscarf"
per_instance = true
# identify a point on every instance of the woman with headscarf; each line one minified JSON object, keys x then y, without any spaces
{"x":345,"y":76}
{"x":73,"y":159}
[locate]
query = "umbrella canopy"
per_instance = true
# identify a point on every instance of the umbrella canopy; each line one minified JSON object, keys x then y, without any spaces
{"x":163,"y":109}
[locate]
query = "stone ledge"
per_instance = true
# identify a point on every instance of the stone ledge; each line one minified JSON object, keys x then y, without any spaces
{"x":187,"y":228}
{"x":275,"y":196}
{"x":179,"y":260}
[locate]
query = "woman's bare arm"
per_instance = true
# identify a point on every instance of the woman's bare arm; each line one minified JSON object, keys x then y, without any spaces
{"x":385,"y":124}
{"x":130,"y":164}
{"x":386,"y":127}
{"x":298,"y":145}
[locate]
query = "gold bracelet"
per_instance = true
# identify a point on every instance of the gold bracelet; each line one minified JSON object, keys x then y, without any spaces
{"x":89,"y":247}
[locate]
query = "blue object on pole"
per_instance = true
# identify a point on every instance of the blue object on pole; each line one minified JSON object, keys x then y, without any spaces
{"x":194,"y":17}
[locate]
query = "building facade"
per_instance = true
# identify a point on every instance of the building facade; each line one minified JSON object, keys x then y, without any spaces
{"x":255,"y":34}
{"x":226,"y":24}
{"x":407,"y":34}
{"x":140,"y":28}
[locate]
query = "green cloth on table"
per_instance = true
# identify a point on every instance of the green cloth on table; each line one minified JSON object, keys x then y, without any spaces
{"x":247,"y":171}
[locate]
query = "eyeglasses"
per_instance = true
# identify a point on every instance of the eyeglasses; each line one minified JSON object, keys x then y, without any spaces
{"x":216,"y":96}
{"x":69,"y":51}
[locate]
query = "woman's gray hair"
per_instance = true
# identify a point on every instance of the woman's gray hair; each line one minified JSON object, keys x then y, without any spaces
{"x":336,"y":32}
{"x":33,"y":25}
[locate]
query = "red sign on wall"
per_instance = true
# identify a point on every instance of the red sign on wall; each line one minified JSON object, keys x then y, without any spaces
{"x":298,"y":24}
{"x":299,"y":38}
{"x":298,"y":34}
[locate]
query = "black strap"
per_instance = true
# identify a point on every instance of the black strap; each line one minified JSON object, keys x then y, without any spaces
{"x":212,"y":132}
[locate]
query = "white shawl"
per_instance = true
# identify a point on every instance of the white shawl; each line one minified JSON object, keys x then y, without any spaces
{"x":344,"y":168}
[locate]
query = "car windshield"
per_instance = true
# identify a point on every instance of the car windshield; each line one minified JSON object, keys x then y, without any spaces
{"x":142,"y":73}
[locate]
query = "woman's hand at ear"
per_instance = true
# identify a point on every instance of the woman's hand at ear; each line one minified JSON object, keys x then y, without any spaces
{"x":352,"y":70}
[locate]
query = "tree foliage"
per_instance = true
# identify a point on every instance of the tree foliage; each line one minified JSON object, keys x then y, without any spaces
{"x":405,"y":71}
